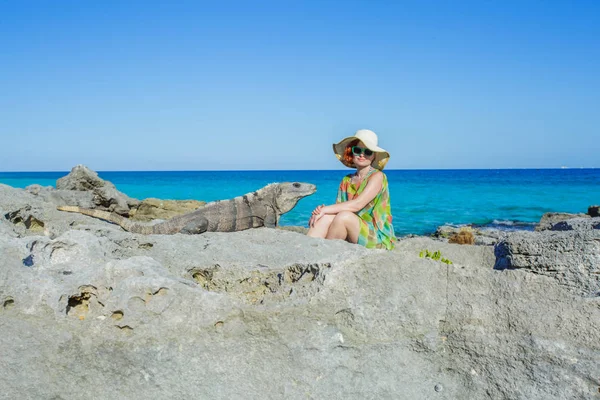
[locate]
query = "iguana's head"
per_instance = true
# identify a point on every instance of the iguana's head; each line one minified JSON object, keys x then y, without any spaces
{"x":287,"y":194}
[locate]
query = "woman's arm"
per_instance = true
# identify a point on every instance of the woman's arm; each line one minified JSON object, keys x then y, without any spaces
{"x":359,"y":202}
{"x":355,"y":205}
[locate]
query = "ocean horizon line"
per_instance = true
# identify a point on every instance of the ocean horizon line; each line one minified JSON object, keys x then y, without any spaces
{"x":305,"y":170}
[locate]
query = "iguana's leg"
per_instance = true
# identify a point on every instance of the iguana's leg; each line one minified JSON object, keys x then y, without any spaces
{"x":195,"y":226}
{"x":270,"y":220}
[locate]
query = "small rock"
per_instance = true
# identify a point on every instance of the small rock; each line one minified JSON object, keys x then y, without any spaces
{"x":106,"y":195}
{"x":35,"y":189}
{"x":577,"y":224}
{"x":552,"y":218}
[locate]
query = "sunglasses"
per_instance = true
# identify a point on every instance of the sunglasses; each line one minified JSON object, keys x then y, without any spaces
{"x":360,"y":150}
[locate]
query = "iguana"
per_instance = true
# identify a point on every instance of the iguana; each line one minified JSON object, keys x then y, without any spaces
{"x":260,"y":208}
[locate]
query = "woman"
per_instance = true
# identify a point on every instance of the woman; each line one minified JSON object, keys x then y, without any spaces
{"x":362,"y":212}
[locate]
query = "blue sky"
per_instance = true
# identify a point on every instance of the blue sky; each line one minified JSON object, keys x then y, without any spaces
{"x":149,"y":85}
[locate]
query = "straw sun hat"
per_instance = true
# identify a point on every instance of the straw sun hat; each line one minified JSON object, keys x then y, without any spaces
{"x":369,"y":138}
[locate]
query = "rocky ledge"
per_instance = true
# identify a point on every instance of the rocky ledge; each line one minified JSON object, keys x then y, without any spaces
{"x":88,"y":310}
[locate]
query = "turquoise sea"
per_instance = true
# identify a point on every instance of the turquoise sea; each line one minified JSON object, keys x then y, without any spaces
{"x":421,"y":199}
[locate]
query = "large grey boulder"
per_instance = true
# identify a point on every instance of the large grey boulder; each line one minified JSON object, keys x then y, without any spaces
{"x":222,"y":314}
{"x":106,"y":195}
{"x":93,"y":311}
{"x":12,"y":198}
{"x":59,"y":197}
{"x":571,"y":257}
{"x":577,"y":224}
{"x":32,"y":211}
{"x":552,"y":218}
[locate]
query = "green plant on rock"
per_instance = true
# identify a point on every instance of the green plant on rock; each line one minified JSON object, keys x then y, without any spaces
{"x":436,"y":255}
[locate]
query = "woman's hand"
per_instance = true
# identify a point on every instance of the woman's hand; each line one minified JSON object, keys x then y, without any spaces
{"x":316,"y":215}
{"x":318,"y":209}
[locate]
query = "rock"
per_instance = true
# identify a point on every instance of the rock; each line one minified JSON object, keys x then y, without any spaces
{"x":21,"y":213}
{"x":445,"y":231}
{"x":594,"y":211}
{"x":35,"y":189}
{"x":150,"y":209}
{"x":106,"y":195}
{"x":6,"y":229}
{"x":577,"y":224}
{"x":572,"y":258}
{"x":221,"y":314}
{"x":549,"y":219}
{"x":298,"y":229}
{"x":12,"y":198}
{"x":18,"y":202}
{"x":81,"y":178}
{"x":26,"y":217}
{"x":489,"y":236}
{"x":465,"y":256}
{"x":83,"y":199}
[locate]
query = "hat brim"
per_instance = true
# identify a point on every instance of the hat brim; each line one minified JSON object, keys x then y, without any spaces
{"x":379,"y":161}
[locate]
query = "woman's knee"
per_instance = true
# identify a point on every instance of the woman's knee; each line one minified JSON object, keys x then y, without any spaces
{"x":326,"y":220}
{"x":321,"y":226}
{"x":345,"y":217}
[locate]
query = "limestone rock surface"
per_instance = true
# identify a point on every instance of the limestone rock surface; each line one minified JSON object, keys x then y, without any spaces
{"x":58,"y":197}
{"x":577,"y":224}
{"x":106,"y":195}
{"x":88,"y":310}
{"x":550,"y":219}
{"x":298,"y":229}
{"x":571,"y":257}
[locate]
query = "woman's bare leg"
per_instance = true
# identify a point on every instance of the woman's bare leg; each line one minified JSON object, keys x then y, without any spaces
{"x":321,"y":227}
{"x":345,"y":225}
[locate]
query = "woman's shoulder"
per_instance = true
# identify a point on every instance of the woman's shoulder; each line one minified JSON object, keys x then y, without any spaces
{"x":377,"y":175}
{"x":378,"y":178}
{"x":381,"y":174}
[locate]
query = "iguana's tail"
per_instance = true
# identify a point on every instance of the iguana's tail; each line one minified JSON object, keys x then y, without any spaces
{"x":123,"y":222}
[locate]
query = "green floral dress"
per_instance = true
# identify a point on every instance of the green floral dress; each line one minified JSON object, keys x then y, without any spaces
{"x":376,"y":230}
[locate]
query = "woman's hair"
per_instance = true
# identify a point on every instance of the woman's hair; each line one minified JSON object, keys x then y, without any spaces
{"x":348,"y":152}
